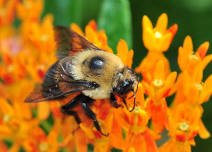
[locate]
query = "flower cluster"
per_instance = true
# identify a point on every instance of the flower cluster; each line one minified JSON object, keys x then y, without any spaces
{"x":28,"y":51}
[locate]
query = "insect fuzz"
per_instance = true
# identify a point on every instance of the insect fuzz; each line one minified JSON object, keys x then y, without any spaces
{"x":125,"y":82}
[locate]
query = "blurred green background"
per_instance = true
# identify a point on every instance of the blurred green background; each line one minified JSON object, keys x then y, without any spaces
{"x":122,"y":19}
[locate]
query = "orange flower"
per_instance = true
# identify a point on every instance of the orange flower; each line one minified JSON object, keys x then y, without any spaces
{"x":98,"y":38}
{"x":30,"y":10}
{"x":157,"y":85}
{"x":138,"y":136}
{"x":156,"y":40}
{"x":7,"y":11}
{"x":189,"y":61}
{"x":190,"y":80}
{"x":188,"y":84}
{"x":17,"y":123}
{"x":184,"y":124}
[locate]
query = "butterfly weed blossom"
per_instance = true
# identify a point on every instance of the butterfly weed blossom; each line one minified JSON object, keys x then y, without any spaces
{"x":28,"y":51}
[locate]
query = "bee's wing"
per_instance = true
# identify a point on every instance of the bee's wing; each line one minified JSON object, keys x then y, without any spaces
{"x":43,"y":94}
{"x":69,"y":42}
{"x":57,"y":84}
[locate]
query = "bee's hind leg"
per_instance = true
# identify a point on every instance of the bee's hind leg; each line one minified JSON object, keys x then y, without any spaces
{"x":91,"y":114}
{"x":67,"y":108}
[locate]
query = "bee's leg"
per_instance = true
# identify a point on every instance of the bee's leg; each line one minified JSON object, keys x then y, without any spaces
{"x":67,"y":108}
{"x":113,"y":101}
{"x":92,"y":116}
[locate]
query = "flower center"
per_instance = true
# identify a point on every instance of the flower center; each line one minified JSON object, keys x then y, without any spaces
{"x":43,"y":147}
{"x":6,"y":118}
{"x":44,"y":37}
{"x":193,"y":56}
{"x":27,"y":4}
{"x":199,"y":86}
{"x":184,"y":126}
{"x":158,"y":34}
{"x":158,"y":82}
{"x":2,"y":12}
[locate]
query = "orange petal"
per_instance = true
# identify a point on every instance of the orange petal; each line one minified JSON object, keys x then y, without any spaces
{"x":162,"y":23}
{"x":188,"y":45}
{"x":93,"y":25}
{"x":182,"y":59}
{"x":43,"y":110}
{"x":173,"y":29}
{"x":81,"y":141}
{"x":170,"y":80}
{"x":206,"y":61}
{"x":202,"y":50}
{"x":165,"y":42}
{"x":76,"y":28}
{"x":125,"y":55}
{"x":159,"y":71}
{"x":203,"y":132}
{"x":5,"y":107}
{"x":146,"y":23}
{"x":206,"y":90}
{"x":122,"y":50}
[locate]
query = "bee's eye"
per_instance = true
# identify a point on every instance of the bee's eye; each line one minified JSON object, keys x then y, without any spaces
{"x":96,"y":63}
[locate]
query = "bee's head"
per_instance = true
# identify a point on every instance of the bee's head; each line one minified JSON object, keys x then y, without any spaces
{"x":125,"y":81}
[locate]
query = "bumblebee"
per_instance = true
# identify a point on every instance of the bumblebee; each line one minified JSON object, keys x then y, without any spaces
{"x":83,"y":67}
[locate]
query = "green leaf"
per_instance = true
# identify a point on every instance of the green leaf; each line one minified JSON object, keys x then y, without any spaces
{"x":63,"y":150}
{"x":8,"y":142}
{"x":90,"y":148}
{"x":47,"y":124}
{"x":21,"y":149}
{"x":64,"y":11}
{"x":116,"y":150}
{"x":115,"y":19}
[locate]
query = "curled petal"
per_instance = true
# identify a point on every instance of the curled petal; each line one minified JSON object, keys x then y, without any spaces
{"x":203,"y":132}
{"x":202,"y":50}
{"x":188,"y":45}
{"x":170,"y":80}
{"x":206,"y":90}
{"x":173,"y":29}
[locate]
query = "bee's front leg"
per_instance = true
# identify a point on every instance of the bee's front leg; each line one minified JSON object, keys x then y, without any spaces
{"x":92,"y":116}
{"x":113,"y":101}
